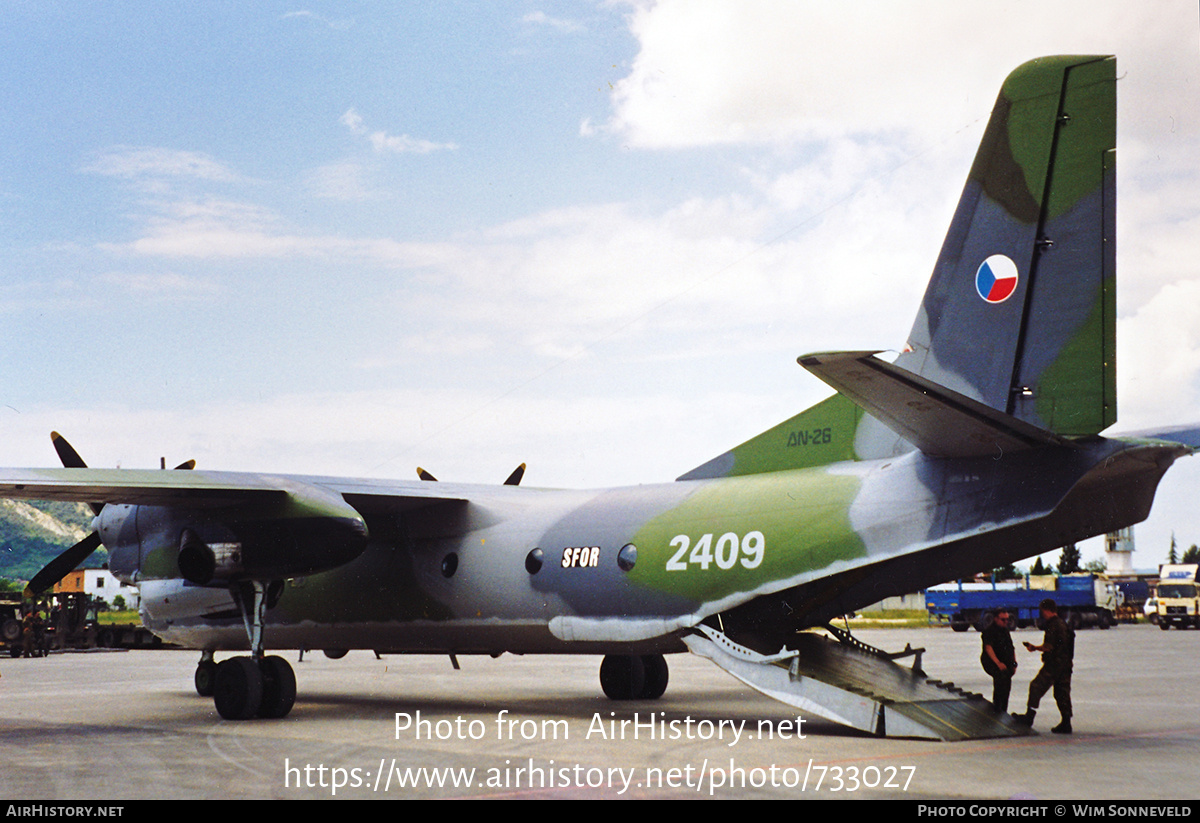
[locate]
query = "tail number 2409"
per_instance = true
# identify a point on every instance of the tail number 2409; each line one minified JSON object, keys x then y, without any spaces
{"x":728,"y":550}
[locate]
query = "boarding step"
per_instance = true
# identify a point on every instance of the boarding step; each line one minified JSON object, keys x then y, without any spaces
{"x":858,"y":686}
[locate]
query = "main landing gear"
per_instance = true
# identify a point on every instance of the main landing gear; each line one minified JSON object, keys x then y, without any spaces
{"x":248,"y":686}
{"x":245,"y":687}
{"x":633,"y":677}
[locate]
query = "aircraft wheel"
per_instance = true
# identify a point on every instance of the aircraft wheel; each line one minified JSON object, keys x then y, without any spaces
{"x":238,"y":689}
{"x":622,"y":676}
{"x":634,"y":677}
{"x":656,"y":676}
{"x":279,"y":688}
{"x":206,"y":677}
{"x":336,"y":654}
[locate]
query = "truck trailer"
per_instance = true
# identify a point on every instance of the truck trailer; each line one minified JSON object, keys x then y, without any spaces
{"x":1084,"y":600}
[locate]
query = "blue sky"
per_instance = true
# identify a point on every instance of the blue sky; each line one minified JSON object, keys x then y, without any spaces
{"x":353,"y":238}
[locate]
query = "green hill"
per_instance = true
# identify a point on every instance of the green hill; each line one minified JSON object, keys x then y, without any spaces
{"x":34,"y":532}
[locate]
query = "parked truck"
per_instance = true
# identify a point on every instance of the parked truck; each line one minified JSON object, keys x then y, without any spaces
{"x":1178,"y":596}
{"x":1084,"y":600}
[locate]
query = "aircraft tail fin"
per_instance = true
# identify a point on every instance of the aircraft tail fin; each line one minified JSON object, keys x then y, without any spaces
{"x":1021,"y":311}
{"x":1020,"y":314}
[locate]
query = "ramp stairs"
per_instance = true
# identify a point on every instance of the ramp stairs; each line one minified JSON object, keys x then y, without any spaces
{"x":850,"y":682}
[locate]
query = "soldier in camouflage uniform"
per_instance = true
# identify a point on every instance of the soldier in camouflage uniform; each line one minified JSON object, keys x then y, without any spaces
{"x":1058,"y":652}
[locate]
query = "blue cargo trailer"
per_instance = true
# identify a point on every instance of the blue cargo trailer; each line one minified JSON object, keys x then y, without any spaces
{"x":1084,"y":600}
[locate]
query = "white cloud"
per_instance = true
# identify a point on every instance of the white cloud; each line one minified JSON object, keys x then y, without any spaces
{"x":540,"y":18}
{"x":138,"y":162}
{"x":760,"y":71}
{"x":1158,"y":358}
{"x":161,"y":285}
{"x":345,"y":181}
{"x":381,"y":141}
{"x":214,"y":228}
{"x":341,"y":24}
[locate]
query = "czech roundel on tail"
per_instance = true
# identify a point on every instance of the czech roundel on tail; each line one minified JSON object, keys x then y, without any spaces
{"x":979,"y":446}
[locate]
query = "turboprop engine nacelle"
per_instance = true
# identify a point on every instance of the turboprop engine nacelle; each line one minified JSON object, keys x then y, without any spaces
{"x":301,"y":531}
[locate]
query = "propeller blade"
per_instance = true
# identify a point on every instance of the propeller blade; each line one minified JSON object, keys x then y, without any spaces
{"x":70,"y":460}
{"x":59,"y":567}
{"x":514,"y":479}
{"x":424,"y":475}
{"x":66,"y":453}
{"x":186,"y":465}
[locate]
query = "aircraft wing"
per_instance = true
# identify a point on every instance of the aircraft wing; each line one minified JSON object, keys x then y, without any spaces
{"x":203,"y":489}
{"x":937,"y":420}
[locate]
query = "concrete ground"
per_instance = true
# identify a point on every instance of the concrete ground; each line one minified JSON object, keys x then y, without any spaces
{"x":128,"y":725}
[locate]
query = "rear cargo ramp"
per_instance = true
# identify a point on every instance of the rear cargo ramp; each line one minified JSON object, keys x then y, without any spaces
{"x":856,"y":685}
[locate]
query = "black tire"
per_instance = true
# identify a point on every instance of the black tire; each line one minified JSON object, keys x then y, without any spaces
{"x":336,"y":654}
{"x":279,"y":688}
{"x":239,"y":688}
{"x":11,"y":630}
{"x":622,"y":676}
{"x":1164,"y":625}
{"x":657,"y":676}
{"x":205,"y":678}
{"x":958,"y":624}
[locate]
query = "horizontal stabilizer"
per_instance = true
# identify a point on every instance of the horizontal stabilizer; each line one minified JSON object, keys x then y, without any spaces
{"x":938,"y":421}
{"x":1188,"y":435}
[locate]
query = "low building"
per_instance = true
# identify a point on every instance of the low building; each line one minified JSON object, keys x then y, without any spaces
{"x":100,"y":584}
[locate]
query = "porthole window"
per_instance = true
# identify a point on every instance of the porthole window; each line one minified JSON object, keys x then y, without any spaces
{"x":627,"y":557}
{"x":449,"y":565}
{"x":533,"y":561}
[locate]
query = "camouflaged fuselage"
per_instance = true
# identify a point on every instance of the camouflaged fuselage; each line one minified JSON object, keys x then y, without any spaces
{"x":765,"y":554}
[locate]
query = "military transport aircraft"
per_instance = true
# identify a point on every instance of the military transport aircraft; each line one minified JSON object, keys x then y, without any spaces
{"x":979,"y":446}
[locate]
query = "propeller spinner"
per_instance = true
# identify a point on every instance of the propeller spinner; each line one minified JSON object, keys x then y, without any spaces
{"x":61,"y":566}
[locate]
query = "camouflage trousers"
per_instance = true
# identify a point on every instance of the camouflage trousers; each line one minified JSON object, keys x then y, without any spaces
{"x":1060,"y":679}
